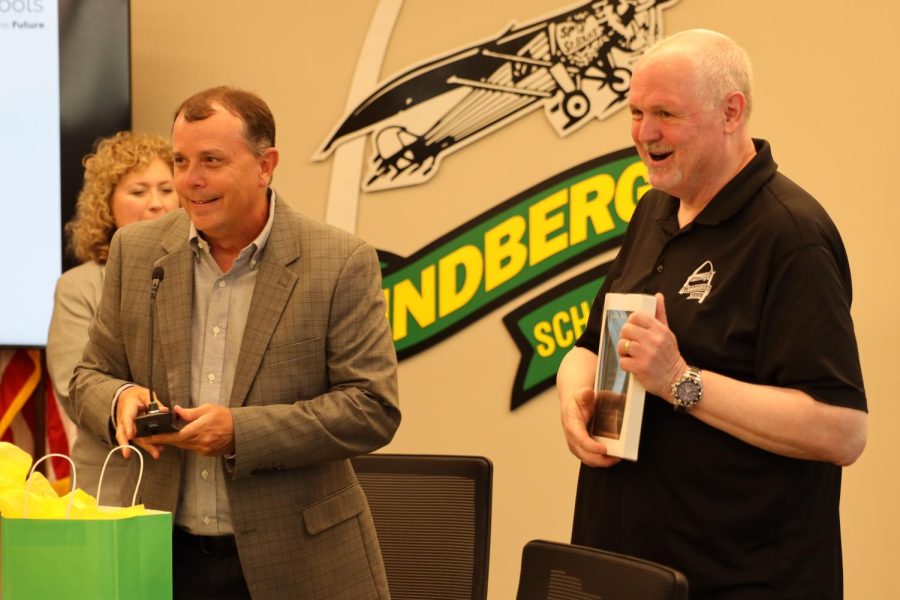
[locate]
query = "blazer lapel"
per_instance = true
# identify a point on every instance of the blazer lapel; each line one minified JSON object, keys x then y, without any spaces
{"x":174,"y":304}
{"x":275,"y":282}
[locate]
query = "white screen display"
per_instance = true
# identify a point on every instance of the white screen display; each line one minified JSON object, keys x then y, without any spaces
{"x":30,"y":246}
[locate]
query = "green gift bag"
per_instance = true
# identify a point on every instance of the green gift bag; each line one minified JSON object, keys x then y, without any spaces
{"x":127,"y":558}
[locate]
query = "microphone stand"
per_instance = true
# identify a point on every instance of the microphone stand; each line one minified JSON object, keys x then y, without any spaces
{"x":154,"y":421}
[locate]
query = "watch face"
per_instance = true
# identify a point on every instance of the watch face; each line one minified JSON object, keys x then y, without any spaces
{"x":688,"y":392}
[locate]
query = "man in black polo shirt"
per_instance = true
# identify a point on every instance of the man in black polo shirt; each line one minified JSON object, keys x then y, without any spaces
{"x":752,"y":343}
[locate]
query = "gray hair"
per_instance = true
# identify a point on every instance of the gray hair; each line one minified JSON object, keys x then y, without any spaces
{"x":724,"y":66}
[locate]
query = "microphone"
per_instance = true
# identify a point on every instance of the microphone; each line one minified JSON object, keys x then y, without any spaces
{"x":155,"y":421}
{"x":155,"y":279}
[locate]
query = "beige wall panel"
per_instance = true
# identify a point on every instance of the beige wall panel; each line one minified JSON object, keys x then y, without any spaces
{"x":826,"y":96}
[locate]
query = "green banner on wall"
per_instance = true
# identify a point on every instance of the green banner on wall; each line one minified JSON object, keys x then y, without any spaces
{"x":510,"y":249}
{"x":546,"y":328}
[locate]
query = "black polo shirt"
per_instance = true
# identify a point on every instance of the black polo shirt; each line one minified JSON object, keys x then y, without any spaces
{"x":757,"y":288}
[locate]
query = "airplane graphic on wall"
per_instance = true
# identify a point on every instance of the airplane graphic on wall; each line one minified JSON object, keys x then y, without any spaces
{"x":575,"y":64}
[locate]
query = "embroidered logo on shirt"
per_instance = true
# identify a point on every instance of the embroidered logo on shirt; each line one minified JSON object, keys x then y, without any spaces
{"x":699,"y":283}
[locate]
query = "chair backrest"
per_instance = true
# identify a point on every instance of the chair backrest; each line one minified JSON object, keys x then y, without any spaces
{"x":569,"y":572}
{"x":433,"y":518}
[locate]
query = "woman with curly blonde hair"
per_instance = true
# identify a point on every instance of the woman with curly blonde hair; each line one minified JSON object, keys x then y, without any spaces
{"x":128,"y":178}
{"x":121,"y":159}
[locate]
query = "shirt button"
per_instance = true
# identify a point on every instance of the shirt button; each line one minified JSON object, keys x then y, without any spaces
{"x":206,"y":519}
{"x":204,"y":473}
{"x":216,"y":330}
{"x":659,"y":268}
{"x":221,"y":284}
{"x":211,"y":377}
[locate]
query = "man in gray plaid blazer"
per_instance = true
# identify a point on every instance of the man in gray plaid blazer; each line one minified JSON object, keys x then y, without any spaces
{"x":272,"y":347}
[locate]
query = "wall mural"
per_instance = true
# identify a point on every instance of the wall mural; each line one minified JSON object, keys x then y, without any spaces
{"x":507,"y":251}
{"x":576,"y":64}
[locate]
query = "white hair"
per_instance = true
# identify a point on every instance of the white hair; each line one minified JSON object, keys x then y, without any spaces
{"x":722,"y":65}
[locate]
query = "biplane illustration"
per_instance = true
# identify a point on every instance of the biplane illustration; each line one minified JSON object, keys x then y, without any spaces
{"x":576,"y":64}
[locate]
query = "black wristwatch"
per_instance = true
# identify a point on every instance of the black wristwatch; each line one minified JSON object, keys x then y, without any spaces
{"x":687,"y":389}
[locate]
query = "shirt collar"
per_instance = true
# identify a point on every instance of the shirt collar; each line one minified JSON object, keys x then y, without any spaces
{"x":733,"y":196}
{"x":254,"y":249}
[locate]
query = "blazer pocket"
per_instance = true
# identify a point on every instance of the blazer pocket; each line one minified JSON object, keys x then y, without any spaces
{"x":290,"y":353}
{"x":334,"y":509}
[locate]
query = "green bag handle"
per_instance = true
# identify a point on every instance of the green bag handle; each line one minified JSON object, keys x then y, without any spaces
{"x":140,"y":473}
{"x":31,"y":472}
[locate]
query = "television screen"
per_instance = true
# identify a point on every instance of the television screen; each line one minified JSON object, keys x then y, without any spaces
{"x":66,"y":82}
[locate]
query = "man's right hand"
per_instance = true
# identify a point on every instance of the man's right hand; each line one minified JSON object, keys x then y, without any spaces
{"x":576,"y":411}
{"x":132,"y":403}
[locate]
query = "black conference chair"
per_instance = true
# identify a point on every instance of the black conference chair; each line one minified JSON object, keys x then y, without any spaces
{"x":569,"y":572}
{"x":433,"y":518}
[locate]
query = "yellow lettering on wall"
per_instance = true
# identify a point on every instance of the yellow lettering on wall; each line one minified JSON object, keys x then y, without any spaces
{"x":541,"y":224}
{"x":563,"y":336}
{"x":504,"y":253}
{"x":452,"y":296}
{"x":590,"y":200}
{"x":562,"y":330}
{"x":545,"y":344}
{"x":626,"y":196}
{"x":554,"y":224}
{"x":408,"y":301}
{"x":387,"y":303}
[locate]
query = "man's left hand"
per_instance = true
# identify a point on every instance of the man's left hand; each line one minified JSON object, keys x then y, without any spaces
{"x":208,"y":430}
{"x":652,"y":351}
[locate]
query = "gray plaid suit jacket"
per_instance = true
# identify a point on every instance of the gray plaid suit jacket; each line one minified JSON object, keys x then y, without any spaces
{"x":315,"y":384}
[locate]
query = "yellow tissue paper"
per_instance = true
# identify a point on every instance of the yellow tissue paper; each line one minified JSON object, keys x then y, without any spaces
{"x":14,"y":464}
{"x":39,"y":486}
{"x":11,"y":502}
{"x":43,"y":501}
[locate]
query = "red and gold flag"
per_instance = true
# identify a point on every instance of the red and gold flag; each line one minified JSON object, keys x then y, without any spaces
{"x":20,"y":374}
